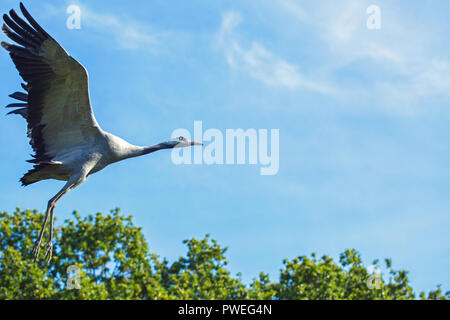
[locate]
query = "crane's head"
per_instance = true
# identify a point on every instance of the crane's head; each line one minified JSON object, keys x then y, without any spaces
{"x":181,"y":142}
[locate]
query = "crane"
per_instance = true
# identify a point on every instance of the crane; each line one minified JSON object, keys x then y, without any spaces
{"x":68,"y":143}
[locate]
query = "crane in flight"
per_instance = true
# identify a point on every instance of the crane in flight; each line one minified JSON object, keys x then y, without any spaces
{"x":68,"y":142}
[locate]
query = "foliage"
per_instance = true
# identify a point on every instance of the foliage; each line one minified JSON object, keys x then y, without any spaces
{"x":115,"y":263}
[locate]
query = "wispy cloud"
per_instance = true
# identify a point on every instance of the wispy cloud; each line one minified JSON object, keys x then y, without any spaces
{"x":399,"y":64}
{"x":258,"y":61}
{"x":128,"y":34}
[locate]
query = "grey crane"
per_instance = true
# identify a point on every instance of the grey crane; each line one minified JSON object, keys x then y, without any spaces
{"x":68,"y":142}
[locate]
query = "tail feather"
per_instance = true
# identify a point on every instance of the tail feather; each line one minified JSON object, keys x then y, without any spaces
{"x":32,"y":176}
{"x":43,"y":171}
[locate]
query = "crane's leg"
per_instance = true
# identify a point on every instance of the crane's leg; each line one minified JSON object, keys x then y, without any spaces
{"x":50,"y":208}
{"x":48,"y":252}
{"x":73,"y":182}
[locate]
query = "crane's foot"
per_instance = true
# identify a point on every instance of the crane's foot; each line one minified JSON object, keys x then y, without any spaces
{"x":36,"y":248}
{"x":48,"y":253}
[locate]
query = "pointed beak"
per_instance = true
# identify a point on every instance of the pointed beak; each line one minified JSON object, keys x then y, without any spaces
{"x":194,"y":143}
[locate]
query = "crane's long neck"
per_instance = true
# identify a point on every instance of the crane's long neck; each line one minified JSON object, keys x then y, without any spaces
{"x":121,"y":149}
{"x":137,"y":151}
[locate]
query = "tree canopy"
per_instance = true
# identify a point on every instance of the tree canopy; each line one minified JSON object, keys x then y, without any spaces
{"x":113,"y":261}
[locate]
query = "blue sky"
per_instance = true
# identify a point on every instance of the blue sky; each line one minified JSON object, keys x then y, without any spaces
{"x":363,"y":118}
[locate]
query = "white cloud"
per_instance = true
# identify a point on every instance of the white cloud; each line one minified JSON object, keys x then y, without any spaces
{"x":402,"y":69}
{"x":259,"y":62}
{"x":128,"y":34}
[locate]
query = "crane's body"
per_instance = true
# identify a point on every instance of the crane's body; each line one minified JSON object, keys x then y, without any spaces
{"x":90,"y":157}
{"x":68,"y":142}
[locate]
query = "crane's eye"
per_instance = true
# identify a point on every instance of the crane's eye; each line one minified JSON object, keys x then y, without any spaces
{"x":181,"y":138}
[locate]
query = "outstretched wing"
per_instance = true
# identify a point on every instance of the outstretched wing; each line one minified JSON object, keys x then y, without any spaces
{"x":56,"y":103}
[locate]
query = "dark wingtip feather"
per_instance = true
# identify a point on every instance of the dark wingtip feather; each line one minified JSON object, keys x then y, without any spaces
{"x":17,"y":105}
{"x":6,"y":45}
{"x":10,"y":34}
{"x":23,"y":112}
{"x":25,"y":87}
{"x":19,"y":96}
{"x":25,"y":26}
{"x":33,"y":22}
{"x":22,"y":32}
